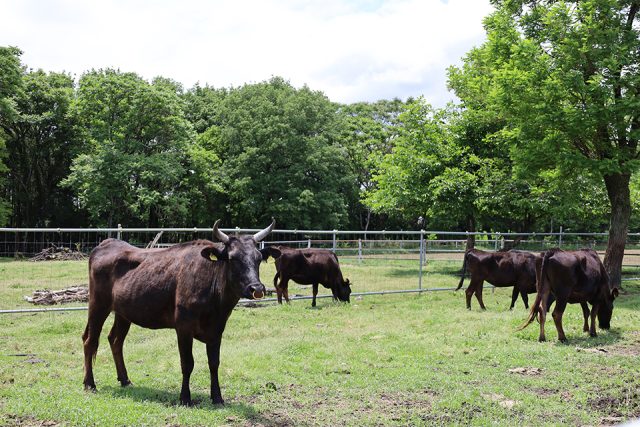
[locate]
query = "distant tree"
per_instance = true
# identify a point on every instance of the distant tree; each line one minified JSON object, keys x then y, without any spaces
{"x":367,"y":131}
{"x":135,"y":167}
{"x":564,"y":76}
{"x":10,"y":83}
{"x":41,"y":140}
{"x":280,"y":158}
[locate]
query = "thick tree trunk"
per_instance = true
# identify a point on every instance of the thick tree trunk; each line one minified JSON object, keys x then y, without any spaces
{"x":471,"y":228}
{"x":620,"y":200}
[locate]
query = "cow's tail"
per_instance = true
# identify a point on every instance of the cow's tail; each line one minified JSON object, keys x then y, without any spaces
{"x":541,"y":295}
{"x":464,"y":270}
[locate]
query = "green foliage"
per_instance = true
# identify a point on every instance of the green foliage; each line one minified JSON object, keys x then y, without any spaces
{"x":135,"y":164}
{"x":41,"y":140}
{"x":10,"y":83}
{"x":280,"y":157}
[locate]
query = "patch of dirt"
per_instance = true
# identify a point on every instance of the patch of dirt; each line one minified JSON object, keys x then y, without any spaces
{"x":20,"y":421}
{"x":320,"y":407}
{"x":621,"y":403}
{"x":501,"y":400}
{"x":526,"y":371}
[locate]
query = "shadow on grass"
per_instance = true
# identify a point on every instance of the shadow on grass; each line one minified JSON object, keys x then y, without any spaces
{"x":201,"y":402}
{"x":604,"y":339}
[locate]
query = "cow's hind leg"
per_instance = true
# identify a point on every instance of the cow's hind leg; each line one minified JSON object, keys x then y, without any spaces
{"x":315,"y":293}
{"x":478,"y":292}
{"x":278,"y":289}
{"x":468,"y":293}
{"x":558,"y":311}
{"x":117,"y":335}
{"x":90,"y":339}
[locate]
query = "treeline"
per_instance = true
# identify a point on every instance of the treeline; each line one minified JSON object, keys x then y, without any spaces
{"x":115,"y":148}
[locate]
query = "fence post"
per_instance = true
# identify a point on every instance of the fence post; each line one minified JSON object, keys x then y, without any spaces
{"x":421,"y":258}
{"x":309,"y":243}
{"x":119,"y":231}
{"x":560,"y":238}
{"x":334,"y":241}
{"x":496,"y":243}
{"x":360,"y":250}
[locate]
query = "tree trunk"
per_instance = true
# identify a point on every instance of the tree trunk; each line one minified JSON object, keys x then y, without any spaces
{"x":620,"y":200}
{"x":471,"y":238}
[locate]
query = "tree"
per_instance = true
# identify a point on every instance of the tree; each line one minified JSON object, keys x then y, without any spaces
{"x":10,"y":84}
{"x":135,"y":167}
{"x":280,"y":157}
{"x":41,"y":140}
{"x":564,"y":75}
{"x":367,"y":131}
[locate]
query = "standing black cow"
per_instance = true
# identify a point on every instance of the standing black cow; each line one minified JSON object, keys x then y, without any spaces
{"x":573,"y":277}
{"x":191,"y":287}
{"x":308,"y":267}
{"x":501,"y":269}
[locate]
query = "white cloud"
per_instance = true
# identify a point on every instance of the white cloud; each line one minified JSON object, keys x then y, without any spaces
{"x":351,"y":50}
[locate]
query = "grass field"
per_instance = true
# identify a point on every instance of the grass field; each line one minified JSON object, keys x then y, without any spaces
{"x":411,"y":359}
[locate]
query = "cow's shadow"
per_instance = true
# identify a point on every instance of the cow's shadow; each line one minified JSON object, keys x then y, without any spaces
{"x":201,"y":402}
{"x":583,"y":340}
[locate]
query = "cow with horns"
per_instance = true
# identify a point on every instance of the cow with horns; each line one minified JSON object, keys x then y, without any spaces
{"x":190,"y":287}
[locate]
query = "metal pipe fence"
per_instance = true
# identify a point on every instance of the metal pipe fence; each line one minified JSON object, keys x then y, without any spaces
{"x":376,"y":262}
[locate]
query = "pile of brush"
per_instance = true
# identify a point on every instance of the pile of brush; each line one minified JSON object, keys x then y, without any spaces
{"x":58,"y":253}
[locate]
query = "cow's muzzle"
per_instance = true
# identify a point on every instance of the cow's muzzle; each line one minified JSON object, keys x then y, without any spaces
{"x":255,"y":291}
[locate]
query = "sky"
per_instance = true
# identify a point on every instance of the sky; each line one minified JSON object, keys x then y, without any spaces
{"x":352,"y":51}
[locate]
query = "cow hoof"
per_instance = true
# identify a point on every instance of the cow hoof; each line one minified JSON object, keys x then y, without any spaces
{"x":593,"y":334}
{"x":542,"y":339}
{"x":218,"y":402}
{"x":90,"y":387}
{"x":563,"y":340}
{"x":125,"y":383}
{"x":186,"y":402}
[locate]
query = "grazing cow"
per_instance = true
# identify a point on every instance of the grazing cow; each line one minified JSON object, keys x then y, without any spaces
{"x":190,"y":287}
{"x":573,"y":277}
{"x":308,"y":267}
{"x":501,"y":269}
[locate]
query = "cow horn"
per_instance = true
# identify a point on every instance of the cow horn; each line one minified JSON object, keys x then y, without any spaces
{"x":219,"y":234}
{"x":262,"y":234}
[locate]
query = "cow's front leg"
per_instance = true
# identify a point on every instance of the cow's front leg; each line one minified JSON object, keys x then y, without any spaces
{"x":594,"y":313}
{"x":213,"y":355}
{"x":585,"y":314}
{"x":514,"y":297}
{"x":185,"y":345}
{"x":557,"y":318}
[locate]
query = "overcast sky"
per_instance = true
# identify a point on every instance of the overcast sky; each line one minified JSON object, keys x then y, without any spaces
{"x":360,"y":50}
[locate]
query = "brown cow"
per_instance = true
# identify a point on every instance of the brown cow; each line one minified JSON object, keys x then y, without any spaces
{"x":573,"y":277}
{"x":308,"y":267}
{"x":501,"y":269}
{"x":191,"y":287}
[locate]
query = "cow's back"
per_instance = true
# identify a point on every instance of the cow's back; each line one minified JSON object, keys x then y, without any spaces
{"x":147,"y":286}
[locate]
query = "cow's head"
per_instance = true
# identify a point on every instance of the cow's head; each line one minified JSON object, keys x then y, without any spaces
{"x":243,"y":261}
{"x":344,"y":290}
{"x":605,"y":312}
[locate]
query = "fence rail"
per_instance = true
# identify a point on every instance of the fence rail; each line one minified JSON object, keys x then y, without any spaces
{"x":382,"y":261}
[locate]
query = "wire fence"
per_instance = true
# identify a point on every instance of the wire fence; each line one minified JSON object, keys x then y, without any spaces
{"x":376,"y":262}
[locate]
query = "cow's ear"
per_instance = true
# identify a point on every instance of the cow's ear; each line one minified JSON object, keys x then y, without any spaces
{"x":270,"y":251}
{"x":614,"y":293}
{"x":214,"y":253}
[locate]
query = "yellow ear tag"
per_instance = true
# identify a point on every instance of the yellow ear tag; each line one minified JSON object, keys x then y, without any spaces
{"x":212,"y":257}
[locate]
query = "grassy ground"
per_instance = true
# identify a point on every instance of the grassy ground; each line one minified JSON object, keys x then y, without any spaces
{"x":381,"y":360}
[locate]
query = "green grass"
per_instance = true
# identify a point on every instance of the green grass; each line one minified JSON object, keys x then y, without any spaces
{"x":410,"y":359}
